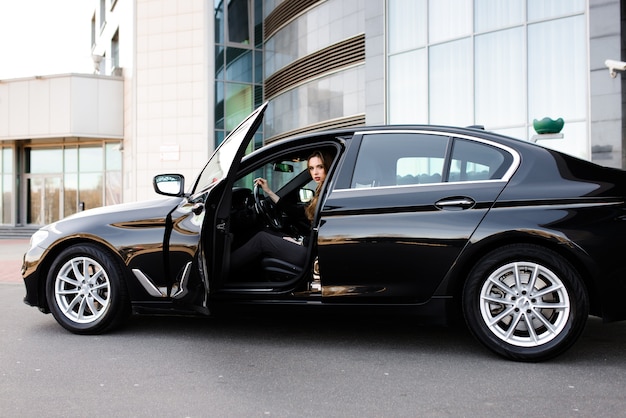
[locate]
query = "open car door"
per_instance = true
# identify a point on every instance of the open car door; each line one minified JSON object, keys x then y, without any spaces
{"x":196,"y":245}
{"x":218,"y":178}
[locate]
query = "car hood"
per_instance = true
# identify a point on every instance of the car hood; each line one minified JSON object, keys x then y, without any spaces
{"x":94,"y":221}
{"x":156,"y":207}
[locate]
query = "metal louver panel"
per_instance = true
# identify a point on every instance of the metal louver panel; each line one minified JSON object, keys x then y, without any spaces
{"x":284,"y":13}
{"x":346,"y":53}
{"x":353,"y":120}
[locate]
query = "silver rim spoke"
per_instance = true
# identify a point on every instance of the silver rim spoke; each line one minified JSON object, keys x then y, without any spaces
{"x":524,"y":304}
{"x":82,"y":290}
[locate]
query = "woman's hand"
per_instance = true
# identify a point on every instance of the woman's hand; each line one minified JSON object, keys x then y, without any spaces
{"x":263,"y":183}
{"x":266,"y":189}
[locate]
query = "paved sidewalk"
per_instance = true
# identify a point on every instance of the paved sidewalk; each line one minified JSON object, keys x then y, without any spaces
{"x":11,"y":252}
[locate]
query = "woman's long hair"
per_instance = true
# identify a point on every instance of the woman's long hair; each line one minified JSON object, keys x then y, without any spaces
{"x":326,"y":160}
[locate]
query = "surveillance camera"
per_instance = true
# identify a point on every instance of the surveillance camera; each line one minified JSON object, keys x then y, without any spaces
{"x":615,"y":66}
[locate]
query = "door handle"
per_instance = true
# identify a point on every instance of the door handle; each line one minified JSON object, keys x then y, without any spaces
{"x":455,"y":203}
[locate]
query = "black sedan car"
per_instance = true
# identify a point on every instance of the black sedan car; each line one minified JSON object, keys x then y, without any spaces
{"x":521,"y":241}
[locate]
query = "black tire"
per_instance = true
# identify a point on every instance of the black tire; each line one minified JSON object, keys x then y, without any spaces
{"x":90,"y":304}
{"x":508,"y":308}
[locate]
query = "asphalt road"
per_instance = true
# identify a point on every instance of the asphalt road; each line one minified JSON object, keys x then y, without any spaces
{"x":291,"y":367}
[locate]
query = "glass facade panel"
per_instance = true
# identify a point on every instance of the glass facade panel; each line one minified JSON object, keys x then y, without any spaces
{"x":544,"y":9}
{"x":522,"y":60}
{"x":85,"y":177}
{"x":495,"y":14}
{"x":219,"y":21}
{"x":113,"y":173}
{"x":451,"y":83}
{"x":449,"y":19}
{"x":44,"y":161}
{"x":237,"y":104}
{"x":238,"y":65}
{"x":43,"y":199}
{"x":557,"y":75}
{"x":408,"y":90}
{"x":219,"y":62}
{"x":238,"y":21}
{"x":90,"y":188}
{"x":326,"y":98}
{"x":90,"y":159}
{"x":70,"y":194}
{"x":113,"y":157}
{"x":500,"y":79}
{"x":71,"y":160}
{"x":327,"y":23}
{"x":6,"y":186}
{"x":410,"y":24}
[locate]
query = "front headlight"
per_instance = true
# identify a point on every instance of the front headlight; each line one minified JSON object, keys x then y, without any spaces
{"x":38,"y":237}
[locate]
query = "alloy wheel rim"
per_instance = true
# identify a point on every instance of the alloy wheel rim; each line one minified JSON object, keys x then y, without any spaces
{"x":524,"y":304}
{"x":82,"y":290}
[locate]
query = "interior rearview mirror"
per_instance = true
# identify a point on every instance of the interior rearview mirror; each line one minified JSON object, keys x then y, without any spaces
{"x":283,"y":167}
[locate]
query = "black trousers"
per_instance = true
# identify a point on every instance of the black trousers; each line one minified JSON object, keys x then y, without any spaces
{"x":265,"y":244}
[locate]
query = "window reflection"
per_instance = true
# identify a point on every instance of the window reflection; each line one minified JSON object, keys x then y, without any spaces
{"x":502,"y":73}
{"x":449,"y":19}
{"x":409,"y":28}
{"x":62,"y":181}
{"x":408,"y":90}
{"x":451,"y":83}
{"x":334,"y":96}
{"x":500,"y":79}
{"x":6,"y":186}
{"x":238,"y":86}
{"x":312,"y":31}
{"x":494,"y":14}
{"x":542,"y":9}
{"x":557,"y":75}
{"x":238,"y":21}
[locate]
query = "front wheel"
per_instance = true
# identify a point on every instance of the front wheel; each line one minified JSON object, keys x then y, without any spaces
{"x":85,"y":290}
{"x":525,"y":302}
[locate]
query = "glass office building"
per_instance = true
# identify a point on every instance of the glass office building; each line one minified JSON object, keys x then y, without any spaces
{"x":185,"y":73}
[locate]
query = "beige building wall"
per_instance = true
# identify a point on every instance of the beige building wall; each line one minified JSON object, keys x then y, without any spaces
{"x":164,"y":55}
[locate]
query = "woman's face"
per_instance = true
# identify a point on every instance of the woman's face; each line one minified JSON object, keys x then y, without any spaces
{"x":316,"y":169}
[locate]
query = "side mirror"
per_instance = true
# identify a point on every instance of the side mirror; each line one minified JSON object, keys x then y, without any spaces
{"x":169,"y":184}
{"x":306,"y":195}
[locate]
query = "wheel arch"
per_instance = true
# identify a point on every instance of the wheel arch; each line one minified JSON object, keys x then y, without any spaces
{"x":53,"y":253}
{"x":474,"y":251}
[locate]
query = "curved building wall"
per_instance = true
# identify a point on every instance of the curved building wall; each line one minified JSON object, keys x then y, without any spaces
{"x":314,"y":65}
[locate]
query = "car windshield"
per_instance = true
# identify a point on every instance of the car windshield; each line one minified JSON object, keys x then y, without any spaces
{"x":222,"y":159}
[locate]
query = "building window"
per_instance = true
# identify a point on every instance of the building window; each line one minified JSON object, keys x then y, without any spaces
{"x":93,"y":31}
{"x":102,"y":13}
{"x":115,"y":51}
{"x":492,"y":63}
{"x":238,"y":63}
{"x":64,"y":180}
{"x":7,"y":184}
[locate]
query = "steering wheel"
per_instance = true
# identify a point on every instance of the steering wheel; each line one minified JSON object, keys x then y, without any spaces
{"x":266,"y":208}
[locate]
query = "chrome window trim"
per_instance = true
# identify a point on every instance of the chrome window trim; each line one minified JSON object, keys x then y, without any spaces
{"x":505,"y":177}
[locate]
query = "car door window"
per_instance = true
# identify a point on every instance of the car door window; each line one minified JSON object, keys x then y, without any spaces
{"x":474,"y":161}
{"x":404,"y":158}
{"x":278,"y":174}
{"x":399,"y":159}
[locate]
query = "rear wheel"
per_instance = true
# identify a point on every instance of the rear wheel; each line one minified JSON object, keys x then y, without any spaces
{"x":85,"y":290}
{"x":525,"y":303}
